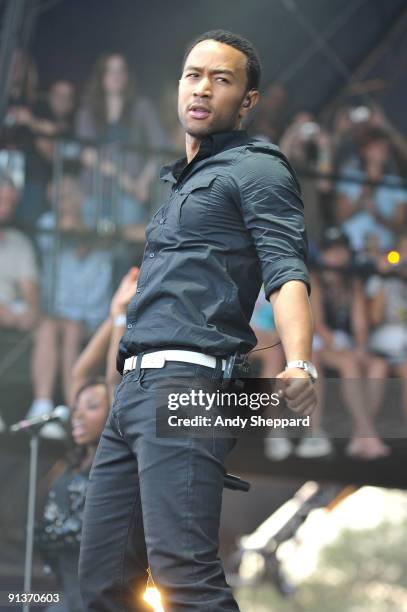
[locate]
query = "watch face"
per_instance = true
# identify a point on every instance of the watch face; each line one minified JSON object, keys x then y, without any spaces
{"x":311,"y":369}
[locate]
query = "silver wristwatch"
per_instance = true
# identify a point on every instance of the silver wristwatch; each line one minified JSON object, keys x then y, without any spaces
{"x":307,"y":366}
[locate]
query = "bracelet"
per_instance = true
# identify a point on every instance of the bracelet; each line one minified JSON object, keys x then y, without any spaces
{"x":119,"y":320}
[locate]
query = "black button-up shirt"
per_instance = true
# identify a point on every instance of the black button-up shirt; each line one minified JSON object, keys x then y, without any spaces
{"x":233,"y":220}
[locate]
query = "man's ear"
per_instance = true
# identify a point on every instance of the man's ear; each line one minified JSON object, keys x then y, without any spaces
{"x":250,"y":100}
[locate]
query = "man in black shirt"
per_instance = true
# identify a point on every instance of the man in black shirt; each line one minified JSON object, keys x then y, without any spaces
{"x":233,"y":220}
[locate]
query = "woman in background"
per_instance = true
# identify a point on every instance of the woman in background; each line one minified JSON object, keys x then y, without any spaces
{"x":341,"y":343}
{"x":387,"y":292}
{"x":59,"y":532}
{"x":115,"y":118}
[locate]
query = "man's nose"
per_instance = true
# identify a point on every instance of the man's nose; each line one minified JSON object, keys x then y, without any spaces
{"x":203,"y":88}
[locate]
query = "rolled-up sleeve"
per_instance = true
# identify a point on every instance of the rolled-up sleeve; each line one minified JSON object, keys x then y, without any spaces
{"x":273,"y":212}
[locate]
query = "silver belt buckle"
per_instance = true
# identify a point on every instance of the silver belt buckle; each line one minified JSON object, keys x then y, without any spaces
{"x":131,"y":364}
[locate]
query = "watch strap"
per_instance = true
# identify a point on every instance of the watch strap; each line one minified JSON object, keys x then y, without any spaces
{"x":119,"y":320}
{"x":307,"y":366}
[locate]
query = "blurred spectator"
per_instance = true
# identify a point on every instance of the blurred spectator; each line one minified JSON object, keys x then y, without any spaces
{"x":59,"y":110}
{"x":24,"y":80}
{"x":18,"y":268}
{"x":371,"y":208}
{"x":25,"y":121}
{"x":61,"y":103}
{"x":73,"y":303}
{"x":388,"y":314}
{"x":308,"y":147}
{"x":351,"y":126}
{"x":115,"y":117}
{"x":398,"y":141}
{"x":169,"y":117}
{"x":340,"y":343}
{"x":342,"y":135}
{"x":100,"y":353}
{"x":270,"y":117}
{"x":78,"y":256}
{"x":58,"y":534}
{"x":19,"y":292}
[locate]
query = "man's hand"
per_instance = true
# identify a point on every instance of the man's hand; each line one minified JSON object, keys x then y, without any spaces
{"x":298,"y":390}
{"x":124,"y":292}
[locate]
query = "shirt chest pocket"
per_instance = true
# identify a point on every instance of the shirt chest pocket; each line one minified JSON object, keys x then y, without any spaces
{"x":194,"y":202}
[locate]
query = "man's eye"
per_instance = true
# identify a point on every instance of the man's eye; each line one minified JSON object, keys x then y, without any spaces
{"x":192,"y":74}
{"x":222,"y":79}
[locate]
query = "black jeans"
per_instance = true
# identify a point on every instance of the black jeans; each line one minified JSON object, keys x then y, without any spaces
{"x":154,"y":502}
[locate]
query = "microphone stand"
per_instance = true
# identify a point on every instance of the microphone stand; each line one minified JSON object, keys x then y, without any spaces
{"x":33,"y":429}
{"x":32,"y":489}
{"x":33,"y":432}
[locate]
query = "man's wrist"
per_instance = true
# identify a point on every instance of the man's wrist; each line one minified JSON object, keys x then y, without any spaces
{"x":117,"y":309}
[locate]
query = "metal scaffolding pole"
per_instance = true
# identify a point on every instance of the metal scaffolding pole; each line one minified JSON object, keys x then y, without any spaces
{"x":319,"y":40}
{"x":369,"y":61}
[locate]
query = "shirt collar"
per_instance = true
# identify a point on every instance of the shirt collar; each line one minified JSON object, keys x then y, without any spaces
{"x":210,"y":145}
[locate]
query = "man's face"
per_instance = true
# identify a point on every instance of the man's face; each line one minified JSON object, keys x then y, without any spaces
{"x":8,"y":201}
{"x":212,"y":94}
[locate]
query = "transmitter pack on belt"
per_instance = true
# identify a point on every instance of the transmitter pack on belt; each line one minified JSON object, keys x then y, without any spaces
{"x":237,"y":368}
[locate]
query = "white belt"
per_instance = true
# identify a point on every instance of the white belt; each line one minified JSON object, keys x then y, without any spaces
{"x":157,"y":359}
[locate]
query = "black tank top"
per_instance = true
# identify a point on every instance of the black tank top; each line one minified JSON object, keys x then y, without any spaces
{"x":337,"y":291}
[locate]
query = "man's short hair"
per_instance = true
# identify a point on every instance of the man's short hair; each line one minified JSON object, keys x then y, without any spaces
{"x":238,"y":42}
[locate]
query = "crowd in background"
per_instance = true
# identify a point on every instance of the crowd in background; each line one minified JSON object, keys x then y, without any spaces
{"x":351,"y":167}
{"x":78,"y":181}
